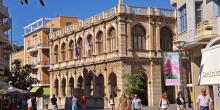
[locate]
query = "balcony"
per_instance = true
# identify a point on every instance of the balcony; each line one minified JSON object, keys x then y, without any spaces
{"x":206,"y":30}
{"x":7,"y":24}
{"x":4,"y":11}
{"x":41,"y":64}
{"x":32,"y":49}
{"x":43,"y":46}
{"x":173,"y":2}
{"x":3,"y":38}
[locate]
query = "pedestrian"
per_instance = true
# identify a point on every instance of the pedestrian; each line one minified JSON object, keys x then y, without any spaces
{"x":74,"y":103}
{"x":181,"y":105}
{"x":54,"y":103}
{"x":164,"y":102}
{"x":123,"y":102}
{"x":34,"y":103}
{"x":203,"y":101}
{"x":83,"y":102}
{"x":129,"y":102}
{"x":29,"y":103}
{"x":112,"y":102}
{"x":136,"y":103}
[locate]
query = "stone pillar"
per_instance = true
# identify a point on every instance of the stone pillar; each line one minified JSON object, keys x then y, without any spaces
{"x":105,"y":34}
{"x":129,"y":37}
{"x":122,"y":36}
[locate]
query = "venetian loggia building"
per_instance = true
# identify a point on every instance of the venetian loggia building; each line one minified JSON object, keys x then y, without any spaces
{"x":111,"y":44}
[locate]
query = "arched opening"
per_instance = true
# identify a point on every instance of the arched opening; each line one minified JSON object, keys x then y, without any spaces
{"x":80,"y":87}
{"x":139,"y":37}
{"x":63,"y":51}
{"x":166,"y":44}
{"x":89,"y":46}
{"x":99,"y":42}
{"x":56,"y":86}
{"x":100,"y":86}
{"x":111,"y":39}
{"x":56,"y":54}
{"x":71,"y":86}
{"x":71,"y":49}
{"x":144,"y":95}
{"x":112,"y":82}
{"x":63,"y":86}
{"x":80,"y":47}
{"x":166,"y":39}
{"x":89,"y":83}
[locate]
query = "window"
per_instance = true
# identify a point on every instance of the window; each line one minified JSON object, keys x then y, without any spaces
{"x":68,"y":23}
{"x":139,"y":38}
{"x":80,"y":47}
{"x":63,"y":51}
{"x":112,"y":39}
{"x":182,"y":19}
{"x":198,"y":12}
{"x":99,"y":42}
{"x":166,"y":39}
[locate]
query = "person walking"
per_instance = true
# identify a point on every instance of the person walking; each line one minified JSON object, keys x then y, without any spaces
{"x":74,"y":103}
{"x":83,"y":102}
{"x":34,"y":103}
{"x":112,"y":102}
{"x":54,"y":103}
{"x":164,"y":102}
{"x":181,"y":105}
{"x":123,"y":102}
{"x":136,"y":103}
{"x":204,"y":101}
{"x":29,"y":103}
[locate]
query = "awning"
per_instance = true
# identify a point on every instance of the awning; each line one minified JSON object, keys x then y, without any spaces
{"x":34,"y":89}
{"x":46,"y":90}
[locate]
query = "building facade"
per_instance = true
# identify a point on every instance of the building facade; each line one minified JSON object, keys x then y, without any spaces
{"x":198,"y":23}
{"x":18,"y":55}
{"x":91,"y":57}
{"x":5,"y":49}
{"x":36,"y":52}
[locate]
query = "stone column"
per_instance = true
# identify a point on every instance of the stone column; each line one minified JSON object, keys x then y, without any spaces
{"x":122,"y":36}
{"x":129,"y":37}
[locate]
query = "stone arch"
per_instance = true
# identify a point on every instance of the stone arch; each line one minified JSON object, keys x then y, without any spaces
{"x":89,"y":83}
{"x":71,"y":49}
{"x":63,"y":87}
{"x":71,"y":86}
{"x":80,"y":46}
{"x":63,"y":51}
{"x":166,"y":39}
{"x":138,"y":37}
{"x":100,"y":86}
{"x":112,"y":83}
{"x":111,"y":39}
{"x":99,"y":42}
{"x":90,"y":45}
{"x":56,"y":87}
{"x":56,"y":53}
{"x":80,"y":86}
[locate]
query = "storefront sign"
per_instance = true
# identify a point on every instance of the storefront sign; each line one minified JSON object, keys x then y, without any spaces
{"x":210,"y":66}
{"x":172,"y":68}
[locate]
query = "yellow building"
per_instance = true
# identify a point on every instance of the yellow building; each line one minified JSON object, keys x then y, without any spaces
{"x":18,"y":55}
{"x":36,"y":51}
{"x":5,"y":25}
{"x":92,"y":56}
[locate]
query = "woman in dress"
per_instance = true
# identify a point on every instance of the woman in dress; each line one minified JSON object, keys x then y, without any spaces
{"x":180,"y":102}
{"x":164,"y":102}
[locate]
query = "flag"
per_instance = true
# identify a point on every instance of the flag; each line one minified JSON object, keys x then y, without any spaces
{"x":76,"y":48}
{"x":86,"y":44}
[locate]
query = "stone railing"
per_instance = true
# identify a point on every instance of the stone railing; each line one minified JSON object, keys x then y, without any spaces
{"x":4,"y":10}
{"x":113,"y":12}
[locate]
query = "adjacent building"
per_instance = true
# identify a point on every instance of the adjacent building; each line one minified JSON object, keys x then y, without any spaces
{"x":5,"y":25}
{"x":36,"y":52}
{"x":197,"y":23}
{"x":91,"y":57}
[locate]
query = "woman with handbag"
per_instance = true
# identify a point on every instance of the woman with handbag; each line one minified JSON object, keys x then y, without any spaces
{"x":180,"y":102}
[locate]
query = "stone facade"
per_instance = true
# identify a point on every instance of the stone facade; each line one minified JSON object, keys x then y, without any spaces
{"x":92,"y":56}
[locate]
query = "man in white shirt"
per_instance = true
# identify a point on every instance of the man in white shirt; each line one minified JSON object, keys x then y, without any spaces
{"x":203,"y":101}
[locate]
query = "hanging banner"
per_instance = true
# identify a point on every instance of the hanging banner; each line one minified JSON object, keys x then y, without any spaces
{"x":172,"y":68}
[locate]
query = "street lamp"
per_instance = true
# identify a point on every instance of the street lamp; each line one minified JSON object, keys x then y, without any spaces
{"x":179,"y":44}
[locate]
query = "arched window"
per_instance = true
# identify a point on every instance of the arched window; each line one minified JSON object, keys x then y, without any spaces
{"x":63,"y":51}
{"x":139,"y":38}
{"x":71,"y":50}
{"x":166,"y":39}
{"x":71,"y":86}
{"x":90,"y":45}
{"x":56,"y":86}
{"x":79,"y":86}
{"x":80,"y":47}
{"x":99,"y":42}
{"x":64,"y":87}
{"x":56,"y":54}
{"x":112,"y":81}
{"x":100,"y":86}
{"x":111,"y":39}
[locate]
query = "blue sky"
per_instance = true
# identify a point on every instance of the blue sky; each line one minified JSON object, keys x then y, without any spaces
{"x":22,"y":15}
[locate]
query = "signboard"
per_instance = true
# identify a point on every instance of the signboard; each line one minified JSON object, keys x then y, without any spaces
{"x":216,"y":91}
{"x":210,"y":66}
{"x":172,"y":68}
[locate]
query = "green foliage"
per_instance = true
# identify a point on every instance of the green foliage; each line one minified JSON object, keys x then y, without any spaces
{"x":20,"y":76}
{"x":136,"y":83}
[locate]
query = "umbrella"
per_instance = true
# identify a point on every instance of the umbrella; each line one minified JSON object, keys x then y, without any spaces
{"x":13,"y":90}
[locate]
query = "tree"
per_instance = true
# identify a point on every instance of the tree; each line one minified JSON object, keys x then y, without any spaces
{"x":26,"y":2}
{"x":135,"y":83}
{"x":20,"y":76}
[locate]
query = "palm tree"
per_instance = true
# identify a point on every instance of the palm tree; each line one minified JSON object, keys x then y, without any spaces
{"x":26,"y":2}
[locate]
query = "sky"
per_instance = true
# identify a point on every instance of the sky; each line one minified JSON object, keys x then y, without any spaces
{"x":22,"y":15}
